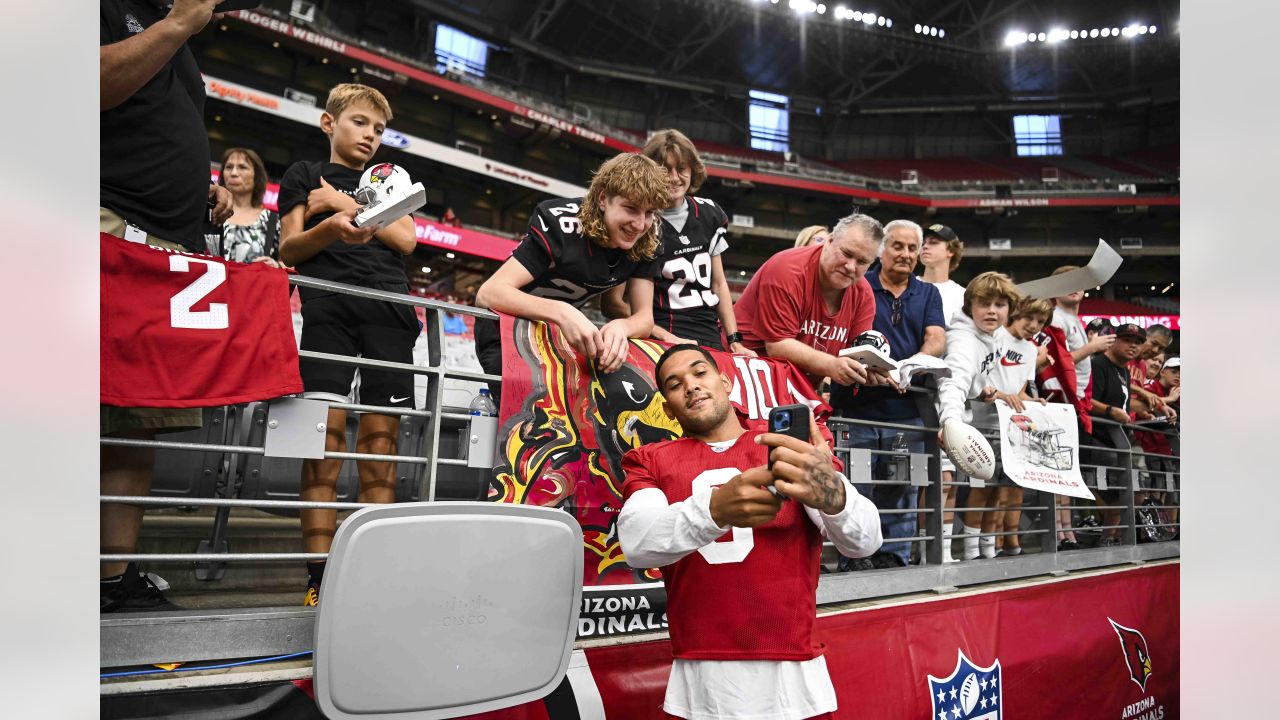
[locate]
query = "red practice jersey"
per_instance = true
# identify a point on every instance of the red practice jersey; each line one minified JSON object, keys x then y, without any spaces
{"x":186,"y":330}
{"x":751,"y":595}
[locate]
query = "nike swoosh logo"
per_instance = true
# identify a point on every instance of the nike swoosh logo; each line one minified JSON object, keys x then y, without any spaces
{"x":395,"y":399}
{"x":1003,"y":361}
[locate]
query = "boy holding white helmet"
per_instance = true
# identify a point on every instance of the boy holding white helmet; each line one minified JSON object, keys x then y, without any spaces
{"x":318,"y":235}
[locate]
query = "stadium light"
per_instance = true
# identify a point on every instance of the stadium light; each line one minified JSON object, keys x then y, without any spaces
{"x":942,"y":33}
{"x":1106,"y":32}
{"x":1115,"y":31}
{"x":822,"y":9}
{"x":880,"y":21}
{"x":1075,"y":34}
{"x":857,"y":16}
{"x":888,"y":22}
{"x":1142,"y":29}
{"x":869,"y":18}
{"x":1015,"y":37}
{"x":450,"y":255}
{"x":917,"y":27}
{"x":1057,"y":35}
{"x":1040,"y":37}
{"x":1152,"y":29}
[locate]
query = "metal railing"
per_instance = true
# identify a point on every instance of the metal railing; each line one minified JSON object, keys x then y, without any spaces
{"x":1119,"y":468}
{"x":239,"y":439}
{"x":234,"y":441}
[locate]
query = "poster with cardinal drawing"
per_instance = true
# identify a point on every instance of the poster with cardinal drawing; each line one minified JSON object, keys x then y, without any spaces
{"x":1040,"y":448}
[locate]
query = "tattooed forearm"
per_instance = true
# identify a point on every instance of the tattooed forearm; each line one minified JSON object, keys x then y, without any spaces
{"x":828,"y":487}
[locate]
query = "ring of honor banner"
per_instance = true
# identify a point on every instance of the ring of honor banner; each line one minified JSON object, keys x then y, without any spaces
{"x":1040,"y":448}
{"x":564,"y":427}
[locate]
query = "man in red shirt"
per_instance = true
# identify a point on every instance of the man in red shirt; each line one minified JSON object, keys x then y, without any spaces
{"x":733,"y":554}
{"x":807,"y":304}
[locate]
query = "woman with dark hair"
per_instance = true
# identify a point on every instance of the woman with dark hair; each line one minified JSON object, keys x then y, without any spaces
{"x":252,"y":233}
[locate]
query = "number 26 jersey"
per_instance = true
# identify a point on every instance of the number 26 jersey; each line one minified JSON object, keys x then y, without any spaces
{"x":564,"y":263}
{"x":684,"y":303}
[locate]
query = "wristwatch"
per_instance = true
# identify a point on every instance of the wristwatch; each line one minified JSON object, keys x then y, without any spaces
{"x":734,"y":337}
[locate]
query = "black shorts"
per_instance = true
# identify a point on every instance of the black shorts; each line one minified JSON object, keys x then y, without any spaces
{"x":372,"y":329}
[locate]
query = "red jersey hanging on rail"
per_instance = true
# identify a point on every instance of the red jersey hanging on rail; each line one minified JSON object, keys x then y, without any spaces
{"x":186,"y":330}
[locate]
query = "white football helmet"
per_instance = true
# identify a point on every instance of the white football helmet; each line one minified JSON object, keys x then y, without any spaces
{"x":382,"y":182}
{"x":1042,"y":444}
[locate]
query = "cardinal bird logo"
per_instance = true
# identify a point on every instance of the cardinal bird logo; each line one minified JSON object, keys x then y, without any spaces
{"x":1136,"y":655}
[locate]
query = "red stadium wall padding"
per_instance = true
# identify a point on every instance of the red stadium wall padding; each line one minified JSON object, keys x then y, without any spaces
{"x":1101,"y":646}
{"x":1051,"y":647}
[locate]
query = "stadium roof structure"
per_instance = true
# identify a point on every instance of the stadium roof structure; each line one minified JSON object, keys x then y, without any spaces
{"x":831,"y":65}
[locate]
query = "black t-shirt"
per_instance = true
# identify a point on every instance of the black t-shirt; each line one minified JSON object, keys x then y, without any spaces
{"x":1110,"y":382}
{"x":154,"y":149}
{"x":372,"y":264}
{"x":567,"y":266}
{"x":684,"y":304}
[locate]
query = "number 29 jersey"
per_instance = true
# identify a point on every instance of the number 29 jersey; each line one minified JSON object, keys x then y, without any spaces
{"x":565,"y":264}
{"x":684,"y":303}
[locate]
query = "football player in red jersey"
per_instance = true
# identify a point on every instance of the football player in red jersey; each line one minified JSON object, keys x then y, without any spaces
{"x":740,"y":564}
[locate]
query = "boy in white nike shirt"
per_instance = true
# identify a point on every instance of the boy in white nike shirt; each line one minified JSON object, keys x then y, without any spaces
{"x":1015,"y":373}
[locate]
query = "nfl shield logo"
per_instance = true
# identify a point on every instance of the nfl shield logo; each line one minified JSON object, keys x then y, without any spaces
{"x":968,"y":693}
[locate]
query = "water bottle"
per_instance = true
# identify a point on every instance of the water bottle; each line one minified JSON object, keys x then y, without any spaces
{"x":482,"y":431}
{"x":483,"y":404}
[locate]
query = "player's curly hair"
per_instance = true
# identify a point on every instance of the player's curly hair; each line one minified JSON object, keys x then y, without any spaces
{"x":990,"y":286}
{"x":673,"y":142}
{"x":636,"y":178}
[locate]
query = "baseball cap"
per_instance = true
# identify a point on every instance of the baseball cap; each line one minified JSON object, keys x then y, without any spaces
{"x":1100,"y":326}
{"x":1131,"y":330}
{"x":941,"y":231}
{"x":1172,"y":363}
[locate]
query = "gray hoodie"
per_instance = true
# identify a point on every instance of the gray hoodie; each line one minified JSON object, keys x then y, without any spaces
{"x":971,"y":355}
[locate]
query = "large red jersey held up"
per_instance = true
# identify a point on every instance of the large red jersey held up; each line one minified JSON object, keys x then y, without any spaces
{"x":751,"y":594}
{"x":185,"y":330}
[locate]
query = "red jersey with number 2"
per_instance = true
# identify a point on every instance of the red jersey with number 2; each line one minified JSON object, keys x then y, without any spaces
{"x":751,"y":595}
{"x":186,"y":330}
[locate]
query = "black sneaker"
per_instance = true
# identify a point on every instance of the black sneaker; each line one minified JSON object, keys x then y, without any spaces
{"x":848,"y":564}
{"x":1068,"y":545}
{"x":884,"y":560}
{"x":134,"y":592}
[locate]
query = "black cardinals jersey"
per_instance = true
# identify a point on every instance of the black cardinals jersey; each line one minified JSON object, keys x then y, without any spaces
{"x":567,"y":266}
{"x":684,"y":303}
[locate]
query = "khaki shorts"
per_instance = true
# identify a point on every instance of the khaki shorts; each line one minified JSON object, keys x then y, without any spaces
{"x":113,"y":419}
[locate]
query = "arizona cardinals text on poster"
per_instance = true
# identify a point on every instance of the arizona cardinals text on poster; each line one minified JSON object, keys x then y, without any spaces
{"x":823,"y":331}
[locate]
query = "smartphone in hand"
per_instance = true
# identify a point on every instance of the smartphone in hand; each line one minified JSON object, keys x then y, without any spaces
{"x":790,"y":420}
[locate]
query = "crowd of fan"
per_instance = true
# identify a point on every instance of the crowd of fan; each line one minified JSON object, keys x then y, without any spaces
{"x":619,"y":243}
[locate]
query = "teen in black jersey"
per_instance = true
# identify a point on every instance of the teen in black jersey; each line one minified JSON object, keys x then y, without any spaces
{"x":690,"y":292}
{"x":575,"y":249}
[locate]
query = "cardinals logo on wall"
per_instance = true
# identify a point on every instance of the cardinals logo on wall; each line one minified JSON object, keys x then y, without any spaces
{"x":969,"y":692}
{"x":1136,"y":655}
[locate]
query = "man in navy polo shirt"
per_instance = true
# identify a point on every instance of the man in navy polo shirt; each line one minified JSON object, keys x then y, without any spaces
{"x":909,"y":314}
